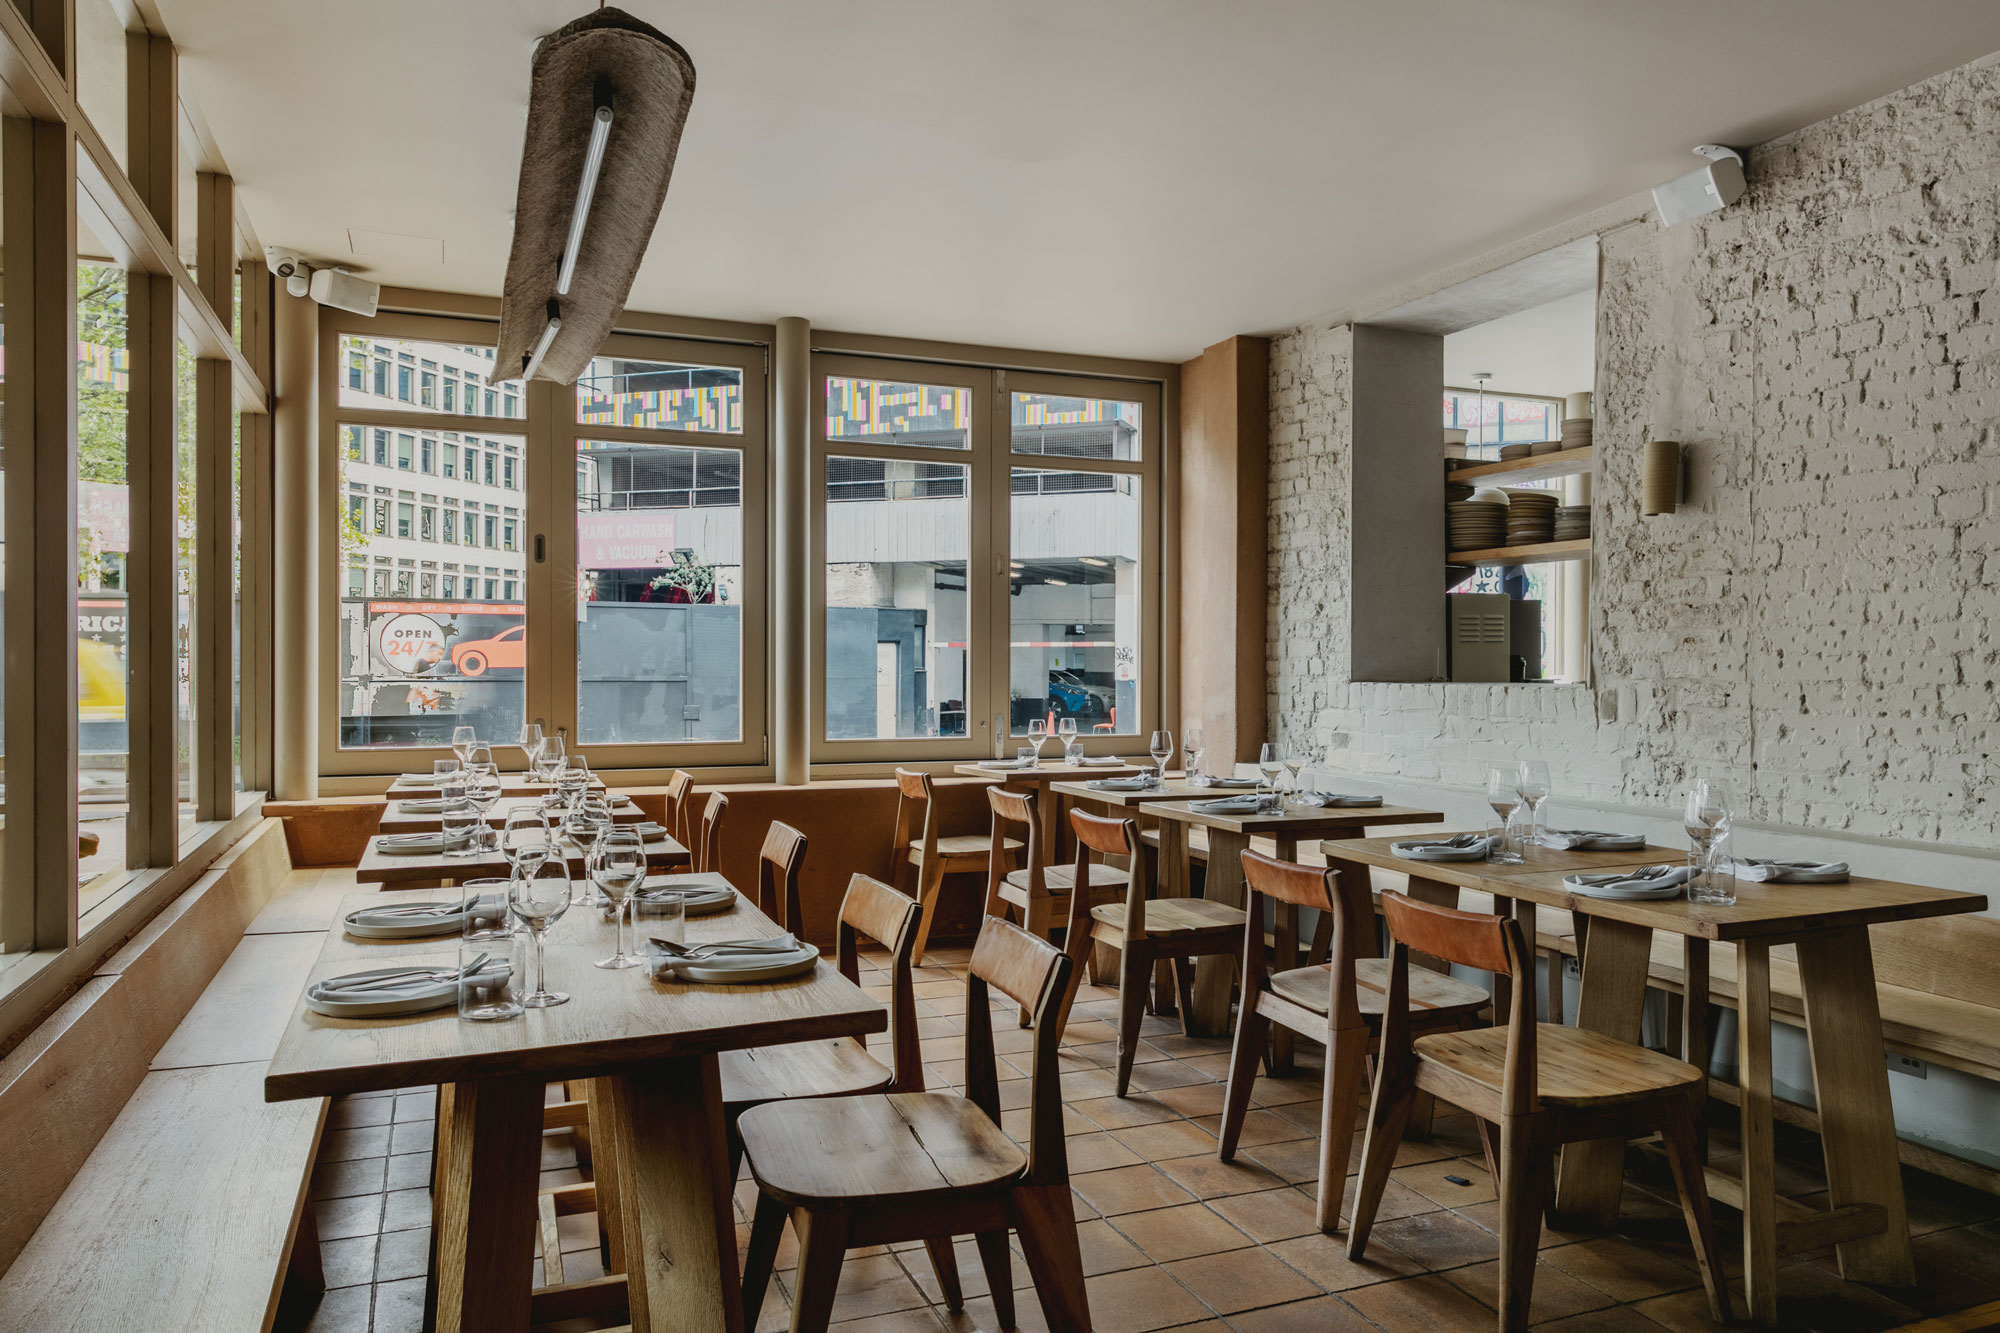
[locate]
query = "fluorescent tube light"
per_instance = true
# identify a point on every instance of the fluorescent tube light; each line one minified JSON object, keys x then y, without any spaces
{"x":593,"y":162}
{"x":1093,"y":560}
{"x":1057,"y":583}
{"x":542,"y":347}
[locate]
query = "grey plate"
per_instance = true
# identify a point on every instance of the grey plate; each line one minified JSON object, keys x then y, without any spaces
{"x":372,"y":923}
{"x":701,"y":894}
{"x":1581,"y":890}
{"x":776,"y":968}
{"x":422,"y":844}
{"x":1439,"y":853}
{"x":390,"y":1001}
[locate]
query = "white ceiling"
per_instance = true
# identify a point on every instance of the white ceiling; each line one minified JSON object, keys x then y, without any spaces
{"x":1548,"y":350}
{"x":1126,"y":177}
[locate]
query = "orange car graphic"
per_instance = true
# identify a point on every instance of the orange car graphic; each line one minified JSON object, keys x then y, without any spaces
{"x":508,"y":648}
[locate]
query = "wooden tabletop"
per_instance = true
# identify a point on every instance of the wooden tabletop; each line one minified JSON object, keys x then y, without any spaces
{"x":379,"y":867}
{"x":1049,"y":772}
{"x":511,"y":784}
{"x":1170,"y":790}
{"x":614,"y":1019}
{"x":624,"y":811}
{"x":1297,"y":822}
{"x":1759,"y":909}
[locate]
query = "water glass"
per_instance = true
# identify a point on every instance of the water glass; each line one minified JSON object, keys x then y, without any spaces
{"x":492,"y":993}
{"x":549,"y":760}
{"x":459,"y":818}
{"x":1714,"y":882}
{"x":658,"y":916}
{"x":1073,"y":751}
{"x":1028,"y":754}
{"x":1193,"y":747}
{"x":491,"y":911}
{"x":1515,"y":830}
{"x":1706,"y":816}
{"x":444,"y":768}
{"x":525,"y":839}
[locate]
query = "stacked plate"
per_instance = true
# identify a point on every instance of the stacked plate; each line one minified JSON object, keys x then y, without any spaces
{"x":1576,"y":433}
{"x":1457,"y":490}
{"x":1572,"y":522}
{"x":1475,"y":525}
{"x":1513,"y":451}
{"x":1531,"y":517}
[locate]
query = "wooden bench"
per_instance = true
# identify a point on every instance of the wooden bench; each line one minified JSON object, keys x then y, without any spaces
{"x":161,"y":1190}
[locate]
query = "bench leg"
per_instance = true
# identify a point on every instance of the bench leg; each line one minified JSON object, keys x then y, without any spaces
{"x":485,"y":1221}
{"x":303,"y":1273}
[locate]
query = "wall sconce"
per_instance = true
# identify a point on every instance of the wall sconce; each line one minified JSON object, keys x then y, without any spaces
{"x":1662,"y":491}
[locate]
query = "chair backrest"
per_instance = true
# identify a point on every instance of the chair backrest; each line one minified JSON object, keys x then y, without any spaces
{"x":680,"y":784}
{"x":1291,"y":886}
{"x":916,"y":819}
{"x":705,"y":852}
{"x":1471,"y":939}
{"x":1012,"y":807}
{"x":779,"y":861}
{"x":1106,"y":837}
{"x":889,"y":917}
{"x":1035,"y":975}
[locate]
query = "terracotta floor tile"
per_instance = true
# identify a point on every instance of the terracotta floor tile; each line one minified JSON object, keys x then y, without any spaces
{"x":1209,"y":1177}
{"x":1617,"y":1319}
{"x":1321,"y":1314}
{"x":1287,"y":1091}
{"x":1296,"y":1160}
{"x":1241,"y":1280}
{"x":1687,"y":1311}
{"x":1324,"y":1259}
{"x":1098,"y":1152}
{"x":1129,"y":1189}
{"x":1141,"y":1300}
{"x":1167,"y":1139}
{"x":1427,"y":1304}
{"x":1397,"y":1201}
{"x":1259,"y":1126}
{"x":1103,"y":1248}
{"x":1196,"y":1099}
{"x":1104,"y":1054}
{"x":1209,"y":1066}
{"x":1438,"y":1182}
{"x":1488,"y":1216}
{"x":874,"y":1285}
{"x":1440,"y":1239}
{"x":1557,"y":1294}
{"x":1167,"y":1234}
{"x":978,"y":1316}
{"x":1164,"y":1074}
{"x":1622,"y":1270}
{"x":1269,"y":1215}
{"x":1125,"y":1112}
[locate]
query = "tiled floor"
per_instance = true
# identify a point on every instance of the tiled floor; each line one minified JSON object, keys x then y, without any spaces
{"x":1173,"y":1238}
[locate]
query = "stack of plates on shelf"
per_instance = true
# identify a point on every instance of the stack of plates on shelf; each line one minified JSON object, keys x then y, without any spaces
{"x":1576,"y":433}
{"x":1474,"y":525}
{"x":1572,"y":522}
{"x":1510,"y":451}
{"x":1531,"y":516}
{"x":1458,"y":490}
{"x":1541,"y":447}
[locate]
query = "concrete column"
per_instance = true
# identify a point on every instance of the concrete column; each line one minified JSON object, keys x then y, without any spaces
{"x":296,"y":610}
{"x":791,"y":551}
{"x":1397,"y":506}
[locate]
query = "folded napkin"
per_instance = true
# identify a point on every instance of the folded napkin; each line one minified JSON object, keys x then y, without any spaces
{"x":1464,"y":847}
{"x":1334,"y":800}
{"x":1589,"y":840}
{"x":430,"y":807}
{"x":417,"y":842}
{"x":425,"y":779}
{"x":1120,"y":784}
{"x":1100,"y":761}
{"x":1006,"y":765}
{"x":1791,"y":872}
{"x":1229,"y":805}
{"x":1233,"y":782}
{"x":480,"y":904}
{"x":1618,"y":882}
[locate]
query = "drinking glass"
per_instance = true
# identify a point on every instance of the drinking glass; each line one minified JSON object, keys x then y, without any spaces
{"x":459,"y":818}
{"x":444,"y":768}
{"x":462,"y":741}
{"x":525,"y":839}
{"x":1531,"y":783}
{"x":482,"y":788}
{"x":1038,"y":732}
{"x":1193,"y":747}
{"x":549,"y":759}
{"x":1503,"y":794}
{"x":1705,"y":815}
{"x":1270,"y":763}
{"x":1294,"y":761}
{"x":531,"y":745}
{"x":658,"y":916}
{"x":540,"y":898}
{"x":491,"y":976}
{"x":617,"y":867}
{"x":1714,"y":881}
{"x":1027,"y":754}
{"x":1161,"y":746}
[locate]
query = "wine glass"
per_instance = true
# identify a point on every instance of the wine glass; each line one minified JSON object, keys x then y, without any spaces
{"x":1271,"y":762}
{"x":617,"y":867}
{"x":1532,"y":782}
{"x":482,"y":789}
{"x":462,"y":740}
{"x":540,"y":898}
{"x":1193,"y":746}
{"x":1707,"y":814}
{"x":1503,"y":793}
{"x":1072,"y":747}
{"x":525,"y":839}
{"x":531,"y":745}
{"x":1038,"y":732}
{"x":549,"y":759}
{"x":1294,"y":761}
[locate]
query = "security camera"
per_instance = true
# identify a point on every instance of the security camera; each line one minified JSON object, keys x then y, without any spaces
{"x":283,"y":263}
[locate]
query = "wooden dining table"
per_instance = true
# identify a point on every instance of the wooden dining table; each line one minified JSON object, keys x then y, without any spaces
{"x":380,"y":867}
{"x":394,"y":820}
{"x":511,"y":784}
{"x":1827,"y":926}
{"x":1229,"y":836}
{"x":1039,"y":779}
{"x":648,"y":1051}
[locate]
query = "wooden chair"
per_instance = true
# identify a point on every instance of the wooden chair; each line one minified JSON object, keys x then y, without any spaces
{"x":779,"y":862}
{"x":927,"y":856}
{"x":680,"y":809}
{"x":857,"y":1171}
{"x":1143,"y":928}
{"x":1340,"y":1002}
{"x":705,"y":851}
{"x":1542,"y":1085}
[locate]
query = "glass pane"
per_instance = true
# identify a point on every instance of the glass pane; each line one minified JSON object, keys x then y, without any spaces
{"x":433,"y":624}
{"x":882,"y":412}
{"x":1065,"y":426}
{"x":1074,"y":599}
{"x":187,"y":239}
{"x":1491,"y":420}
{"x":103,"y":540}
{"x":100,"y":72}
{"x":184,"y":548}
{"x":661,"y":395}
{"x":405,"y":376}
{"x":659,"y":634}
{"x":897,"y":628}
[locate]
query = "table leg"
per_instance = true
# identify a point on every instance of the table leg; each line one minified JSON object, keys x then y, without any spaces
{"x":1857,"y":1123}
{"x":1760,"y":1188}
{"x":1176,"y":881}
{"x":1213,"y":974}
{"x":1610,"y":1000}
{"x":667,"y":1132}
{"x":605,"y":1176}
{"x":1694,"y":1028}
{"x":486,"y":1217}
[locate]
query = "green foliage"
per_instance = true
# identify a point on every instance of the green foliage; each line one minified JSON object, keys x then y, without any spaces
{"x":100,"y":408}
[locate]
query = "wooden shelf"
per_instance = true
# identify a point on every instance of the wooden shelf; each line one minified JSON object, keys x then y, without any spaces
{"x":1536,"y":554}
{"x":1565,"y":463}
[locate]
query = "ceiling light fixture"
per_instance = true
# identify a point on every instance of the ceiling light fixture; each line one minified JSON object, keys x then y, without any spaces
{"x":1093,"y":560}
{"x":593,"y":162}
{"x":1056,"y":582}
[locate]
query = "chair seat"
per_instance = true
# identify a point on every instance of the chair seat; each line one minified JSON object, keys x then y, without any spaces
{"x":1576,"y":1067}
{"x":962,"y":847}
{"x":897,"y":1146}
{"x":833,"y":1068}
{"x":1178,"y":916}
{"x":1433,"y":992}
{"x":1060,"y":878}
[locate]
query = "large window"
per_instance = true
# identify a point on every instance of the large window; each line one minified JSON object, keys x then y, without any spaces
{"x":103,"y":548}
{"x":988,"y":557}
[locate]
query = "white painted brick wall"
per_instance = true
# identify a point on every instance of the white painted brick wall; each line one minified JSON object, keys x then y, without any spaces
{"x":1819,"y":621}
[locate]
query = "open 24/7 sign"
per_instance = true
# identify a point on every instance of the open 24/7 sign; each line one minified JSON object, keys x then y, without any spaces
{"x":411,"y":644}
